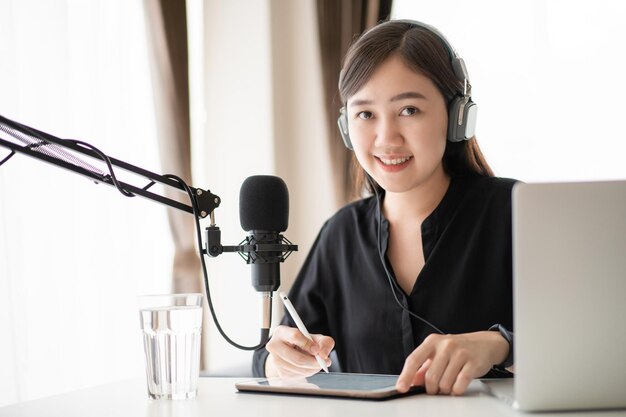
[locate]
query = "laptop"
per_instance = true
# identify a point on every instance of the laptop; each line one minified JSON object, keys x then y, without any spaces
{"x":569,"y":271}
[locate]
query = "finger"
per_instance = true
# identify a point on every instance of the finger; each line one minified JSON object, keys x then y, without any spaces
{"x":281,"y":345}
{"x":434,"y":373}
{"x":412,"y":363}
{"x":325,"y":343}
{"x":280,"y":368}
{"x":278,"y":340}
{"x":294,"y":337}
{"x":297,"y":357}
{"x":420,"y":379}
{"x":463,"y":380}
{"x":450,"y":374}
{"x":327,"y":361}
{"x":287,"y":369}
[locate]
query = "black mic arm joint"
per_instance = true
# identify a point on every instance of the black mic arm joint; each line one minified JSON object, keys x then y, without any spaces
{"x":206,"y":201}
{"x":214,"y":245}
{"x":213,"y":241}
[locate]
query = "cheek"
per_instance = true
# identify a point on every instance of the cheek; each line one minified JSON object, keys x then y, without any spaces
{"x":440,"y":123}
{"x":438,"y":133}
{"x":360,"y":144}
{"x":361,"y":154}
{"x":430,"y":139}
{"x":363,"y":157}
{"x":436,"y":126}
{"x":438,"y":146}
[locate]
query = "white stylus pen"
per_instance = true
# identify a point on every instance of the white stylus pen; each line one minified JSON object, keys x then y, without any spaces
{"x":296,"y":318}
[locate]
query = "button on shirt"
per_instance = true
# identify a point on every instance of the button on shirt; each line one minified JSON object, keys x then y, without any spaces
{"x":465,"y":285}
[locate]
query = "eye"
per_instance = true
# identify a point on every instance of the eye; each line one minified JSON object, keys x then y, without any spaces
{"x":364,"y":115}
{"x":409,"y":111}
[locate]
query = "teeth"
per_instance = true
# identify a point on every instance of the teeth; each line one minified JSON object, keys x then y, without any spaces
{"x":394,"y":161}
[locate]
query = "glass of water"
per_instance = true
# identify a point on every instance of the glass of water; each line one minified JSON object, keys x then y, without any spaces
{"x":172,"y":326}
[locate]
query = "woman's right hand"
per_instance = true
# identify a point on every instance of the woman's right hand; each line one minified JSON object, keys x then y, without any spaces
{"x":292,"y":354}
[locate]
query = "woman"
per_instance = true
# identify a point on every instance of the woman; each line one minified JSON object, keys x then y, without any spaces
{"x":415,"y":279}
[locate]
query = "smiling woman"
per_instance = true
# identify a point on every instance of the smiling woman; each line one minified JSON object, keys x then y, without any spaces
{"x":74,"y":255}
{"x":439,"y":222}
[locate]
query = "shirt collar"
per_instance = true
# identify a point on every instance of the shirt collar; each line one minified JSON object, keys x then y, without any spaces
{"x":436,"y":222}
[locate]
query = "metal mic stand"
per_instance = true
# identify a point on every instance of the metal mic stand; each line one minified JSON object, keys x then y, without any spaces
{"x":67,"y":153}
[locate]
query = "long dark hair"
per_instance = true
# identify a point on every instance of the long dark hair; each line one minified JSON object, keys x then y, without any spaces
{"x":425,"y":53}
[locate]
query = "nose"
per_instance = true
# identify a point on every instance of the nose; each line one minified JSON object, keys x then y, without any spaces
{"x":388,"y":132}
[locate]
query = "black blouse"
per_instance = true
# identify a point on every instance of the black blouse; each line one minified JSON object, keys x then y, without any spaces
{"x":465,"y":285}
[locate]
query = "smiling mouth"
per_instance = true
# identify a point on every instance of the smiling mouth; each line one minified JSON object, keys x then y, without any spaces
{"x":393,"y":161}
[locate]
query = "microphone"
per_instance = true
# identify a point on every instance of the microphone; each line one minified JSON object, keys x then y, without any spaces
{"x":264,"y":215}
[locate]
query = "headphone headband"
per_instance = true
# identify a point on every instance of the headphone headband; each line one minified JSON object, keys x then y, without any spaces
{"x":458,"y":65}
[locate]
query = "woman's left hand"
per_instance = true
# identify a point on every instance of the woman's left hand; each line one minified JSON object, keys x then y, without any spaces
{"x":446,"y":364}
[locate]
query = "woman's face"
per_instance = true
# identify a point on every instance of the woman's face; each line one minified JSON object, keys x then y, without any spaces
{"x":398,"y":123}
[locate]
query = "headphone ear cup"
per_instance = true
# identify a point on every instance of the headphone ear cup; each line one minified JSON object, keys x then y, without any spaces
{"x":458,"y":132}
{"x":342,"y":123}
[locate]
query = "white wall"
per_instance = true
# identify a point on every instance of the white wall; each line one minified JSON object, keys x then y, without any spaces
{"x":75,"y":255}
{"x":263,"y":114}
{"x":238,"y":143}
{"x":547,"y":77}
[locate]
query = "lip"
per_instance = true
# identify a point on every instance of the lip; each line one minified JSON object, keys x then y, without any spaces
{"x":393,"y":168}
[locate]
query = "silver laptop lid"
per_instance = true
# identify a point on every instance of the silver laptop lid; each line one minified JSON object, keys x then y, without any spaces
{"x":569,"y":251}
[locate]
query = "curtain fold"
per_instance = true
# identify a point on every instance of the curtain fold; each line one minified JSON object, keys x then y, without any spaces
{"x":166,"y":24}
{"x":339,"y":23}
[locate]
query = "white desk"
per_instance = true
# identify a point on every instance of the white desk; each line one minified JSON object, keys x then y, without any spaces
{"x":219,"y":397}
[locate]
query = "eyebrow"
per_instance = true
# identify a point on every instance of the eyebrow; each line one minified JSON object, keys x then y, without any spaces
{"x":401,"y":96}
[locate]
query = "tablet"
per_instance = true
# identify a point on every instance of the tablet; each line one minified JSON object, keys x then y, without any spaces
{"x":334,"y":384}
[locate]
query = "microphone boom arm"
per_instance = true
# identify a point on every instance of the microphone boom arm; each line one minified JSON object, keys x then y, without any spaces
{"x":58,"y":152}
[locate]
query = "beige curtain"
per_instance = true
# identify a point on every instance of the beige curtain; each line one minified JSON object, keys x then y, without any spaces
{"x":166,"y":24}
{"x":339,"y":23}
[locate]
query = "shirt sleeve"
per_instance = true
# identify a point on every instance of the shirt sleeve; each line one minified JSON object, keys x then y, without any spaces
{"x":307,"y":296}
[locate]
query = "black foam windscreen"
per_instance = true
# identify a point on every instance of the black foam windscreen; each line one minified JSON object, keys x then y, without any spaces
{"x":264,"y":204}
